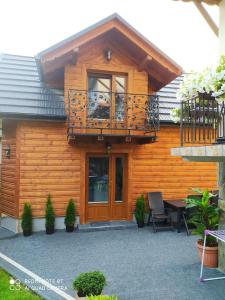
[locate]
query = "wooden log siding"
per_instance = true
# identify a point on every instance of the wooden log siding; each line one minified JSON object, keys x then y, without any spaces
{"x":154,"y":169}
{"x":9,"y":174}
{"x":49,"y":165}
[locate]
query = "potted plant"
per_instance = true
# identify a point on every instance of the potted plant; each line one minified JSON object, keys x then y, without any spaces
{"x":26,"y":222}
{"x":205,"y":216}
{"x":70,"y":217}
{"x":140,"y":211}
{"x":49,"y":216}
{"x":89,"y":284}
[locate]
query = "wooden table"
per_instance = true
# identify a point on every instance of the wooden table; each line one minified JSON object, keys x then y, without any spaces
{"x":177,"y":205}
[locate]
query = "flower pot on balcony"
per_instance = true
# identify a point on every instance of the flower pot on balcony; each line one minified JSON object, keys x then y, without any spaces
{"x":211,"y":255}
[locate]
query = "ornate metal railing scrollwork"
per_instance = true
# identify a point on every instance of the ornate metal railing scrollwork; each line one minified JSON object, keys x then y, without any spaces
{"x":112,"y":111}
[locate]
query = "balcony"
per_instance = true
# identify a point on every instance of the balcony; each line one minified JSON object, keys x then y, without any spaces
{"x":202,"y":121}
{"x":114,"y":117}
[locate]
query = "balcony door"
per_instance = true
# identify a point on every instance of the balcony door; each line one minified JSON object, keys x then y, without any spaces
{"x":106,"y":197}
{"x":106,"y":99}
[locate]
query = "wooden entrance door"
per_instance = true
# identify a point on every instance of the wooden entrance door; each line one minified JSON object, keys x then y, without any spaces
{"x":106,"y":196}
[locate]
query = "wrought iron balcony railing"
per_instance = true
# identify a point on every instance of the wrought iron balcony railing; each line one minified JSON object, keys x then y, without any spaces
{"x":202,"y":121}
{"x":120,"y":114}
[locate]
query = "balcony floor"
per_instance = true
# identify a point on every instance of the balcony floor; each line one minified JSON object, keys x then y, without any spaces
{"x":209,"y":153}
{"x":112,"y":138}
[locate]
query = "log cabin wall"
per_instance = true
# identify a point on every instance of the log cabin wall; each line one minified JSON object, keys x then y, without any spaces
{"x":154,"y":169}
{"x":48,"y":164}
{"x":9,"y":170}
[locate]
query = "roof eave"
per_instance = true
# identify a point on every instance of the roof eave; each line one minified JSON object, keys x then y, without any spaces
{"x":114,"y":16}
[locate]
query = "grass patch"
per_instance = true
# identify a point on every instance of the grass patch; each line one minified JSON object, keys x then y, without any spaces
{"x":7,"y":294}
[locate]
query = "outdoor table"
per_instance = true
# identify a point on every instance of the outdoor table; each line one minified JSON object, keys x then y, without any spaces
{"x":178,"y":206}
{"x":219,"y":235}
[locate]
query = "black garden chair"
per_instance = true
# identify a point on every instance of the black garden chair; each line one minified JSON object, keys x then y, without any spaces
{"x":158,"y":213}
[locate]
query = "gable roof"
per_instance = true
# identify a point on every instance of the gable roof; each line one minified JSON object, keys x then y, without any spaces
{"x":161,"y":69}
{"x":112,"y":17}
{"x":24,"y":95}
{"x":22,"y":92}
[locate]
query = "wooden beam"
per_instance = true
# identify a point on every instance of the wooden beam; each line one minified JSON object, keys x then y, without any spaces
{"x":75,"y":55}
{"x":207,"y":17}
{"x":59,"y":62}
{"x":143,"y":64}
{"x":209,"y":2}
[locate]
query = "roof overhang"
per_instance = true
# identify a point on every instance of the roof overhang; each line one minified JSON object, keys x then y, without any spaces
{"x":204,"y":12}
{"x":161,"y":68}
{"x":209,"y":2}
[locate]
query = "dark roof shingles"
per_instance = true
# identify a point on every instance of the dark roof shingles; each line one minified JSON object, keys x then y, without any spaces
{"x":22,"y":93}
{"x":168,"y":99}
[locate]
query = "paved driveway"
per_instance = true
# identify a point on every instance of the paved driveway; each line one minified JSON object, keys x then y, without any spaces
{"x":138,"y":264}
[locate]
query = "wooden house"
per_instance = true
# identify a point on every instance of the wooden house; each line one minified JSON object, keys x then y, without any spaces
{"x":88,"y":119}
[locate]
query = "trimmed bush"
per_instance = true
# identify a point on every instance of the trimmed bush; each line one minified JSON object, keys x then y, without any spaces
{"x":70,"y":217}
{"x":26,"y":222}
{"x":90,"y":283}
{"x":49,"y":216}
{"x":140,"y":211}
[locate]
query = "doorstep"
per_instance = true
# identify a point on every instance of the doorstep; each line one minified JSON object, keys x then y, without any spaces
{"x":110,"y":225}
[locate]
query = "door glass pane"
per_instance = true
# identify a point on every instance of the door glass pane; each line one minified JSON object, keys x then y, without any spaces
{"x":119,"y":179}
{"x":98,"y":179}
{"x":99,"y":97}
{"x":120,"y":86}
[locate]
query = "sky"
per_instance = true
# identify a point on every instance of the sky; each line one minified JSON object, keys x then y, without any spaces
{"x":30,"y":26}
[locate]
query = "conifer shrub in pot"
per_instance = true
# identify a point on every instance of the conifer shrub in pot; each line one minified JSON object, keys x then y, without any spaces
{"x":49,"y":216}
{"x":26,"y":222}
{"x":205,"y":216}
{"x":70,"y":217}
{"x":89,"y":284}
{"x":139,"y":211}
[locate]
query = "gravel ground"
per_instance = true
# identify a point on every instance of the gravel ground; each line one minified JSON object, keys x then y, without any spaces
{"x":138,"y":264}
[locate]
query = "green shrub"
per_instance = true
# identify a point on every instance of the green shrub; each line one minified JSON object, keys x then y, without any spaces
{"x":27,"y":218}
{"x":70,"y":217}
{"x":49,"y":214}
{"x":140,"y":209}
{"x":101,"y":297}
{"x":90,"y":283}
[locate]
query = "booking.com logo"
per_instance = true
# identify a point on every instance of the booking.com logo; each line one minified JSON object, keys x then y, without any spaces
{"x":14,"y":284}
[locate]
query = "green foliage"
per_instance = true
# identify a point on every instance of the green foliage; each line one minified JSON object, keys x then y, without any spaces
{"x":204,"y":215}
{"x":140,"y":209}
{"x":49,"y":213}
{"x":20,"y":293}
{"x":70,"y":217}
{"x":27,"y":218}
{"x":90,"y":283}
{"x":175,"y":115}
{"x":101,"y":297}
